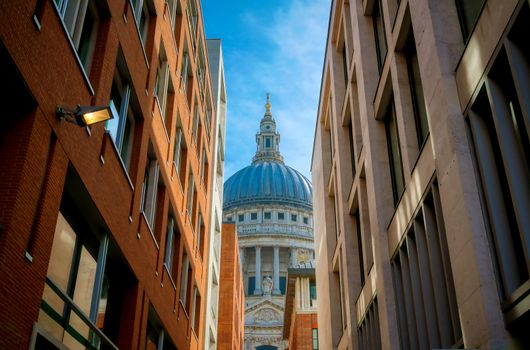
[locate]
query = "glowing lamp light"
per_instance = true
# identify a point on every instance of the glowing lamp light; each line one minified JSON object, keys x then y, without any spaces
{"x":84,"y":115}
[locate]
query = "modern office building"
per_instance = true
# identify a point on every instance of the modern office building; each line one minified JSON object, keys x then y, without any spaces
{"x":231,"y":325}
{"x":300,"y":321}
{"x":215,"y":61}
{"x":103,"y":227}
{"x":421,"y":176}
{"x":271,"y":204}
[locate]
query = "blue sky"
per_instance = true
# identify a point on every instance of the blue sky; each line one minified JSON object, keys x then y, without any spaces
{"x":274,"y":46}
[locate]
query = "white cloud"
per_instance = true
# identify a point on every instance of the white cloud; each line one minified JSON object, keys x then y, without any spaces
{"x":288,"y":64}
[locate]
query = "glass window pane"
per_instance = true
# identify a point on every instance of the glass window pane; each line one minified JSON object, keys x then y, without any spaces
{"x":115,"y":104}
{"x":394,"y":153}
{"x":379,"y":33}
{"x":418,"y":101}
{"x":59,"y":269}
{"x":86,"y":41}
{"x":251,"y":285}
{"x":71,"y":15}
{"x":128,"y":133}
{"x":151,"y":341}
{"x":144,"y":23}
{"x":86,"y":275}
{"x":468,"y":10}
{"x":62,"y":253}
{"x":83,"y":292}
{"x":184,"y":281}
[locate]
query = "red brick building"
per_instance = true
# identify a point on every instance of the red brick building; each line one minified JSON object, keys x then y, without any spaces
{"x":230,"y":327}
{"x":102,"y":228}
{"x":300,"y":319}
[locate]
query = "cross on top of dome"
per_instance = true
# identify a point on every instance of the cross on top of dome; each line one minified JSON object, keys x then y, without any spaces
{"x":268,"y":105}
{"x":267,"y":139}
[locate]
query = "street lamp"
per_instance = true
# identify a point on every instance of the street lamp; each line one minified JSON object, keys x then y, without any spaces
{"x":84,"y":115}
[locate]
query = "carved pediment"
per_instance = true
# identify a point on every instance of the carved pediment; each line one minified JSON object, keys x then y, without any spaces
{"x":267,"y":315}
{"x":264,"y":313}
{"x":265,"y":303}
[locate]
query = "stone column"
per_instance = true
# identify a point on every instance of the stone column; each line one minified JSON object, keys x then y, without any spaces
{"x":257,"y":286}
{"x":276,"y":272}
{"x":293,"y":256}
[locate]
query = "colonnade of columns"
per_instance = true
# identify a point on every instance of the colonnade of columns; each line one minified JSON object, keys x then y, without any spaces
{"x":276,"y":268}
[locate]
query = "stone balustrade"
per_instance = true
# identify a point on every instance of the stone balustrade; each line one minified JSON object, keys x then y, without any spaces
{"x":289,"y":229}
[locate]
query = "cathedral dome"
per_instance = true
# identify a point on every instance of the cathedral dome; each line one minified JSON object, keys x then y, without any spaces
{"x":268,"y":182}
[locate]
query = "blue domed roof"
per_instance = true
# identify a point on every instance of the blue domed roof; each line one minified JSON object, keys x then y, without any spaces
{"x":267,"y":183}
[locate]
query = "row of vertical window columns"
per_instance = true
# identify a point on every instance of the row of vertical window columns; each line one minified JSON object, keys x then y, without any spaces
{"x":276,"y":268}
{"x":500,"y":129}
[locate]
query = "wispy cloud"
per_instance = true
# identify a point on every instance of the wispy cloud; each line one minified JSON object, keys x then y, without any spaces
{"x":282,"y":54}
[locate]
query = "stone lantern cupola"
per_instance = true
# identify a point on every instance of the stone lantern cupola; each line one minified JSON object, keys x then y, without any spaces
{"x":267,"y":139}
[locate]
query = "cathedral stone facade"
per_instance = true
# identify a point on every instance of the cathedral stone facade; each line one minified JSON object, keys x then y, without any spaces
{"x":271,"y":204}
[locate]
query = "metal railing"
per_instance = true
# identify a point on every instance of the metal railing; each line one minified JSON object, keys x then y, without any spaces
{"x":72,"y":306}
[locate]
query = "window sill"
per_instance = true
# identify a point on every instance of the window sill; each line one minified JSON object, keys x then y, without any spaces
{"x":420,"y":151}
{"x":517,"y":303}
{"x":176,"y":174}
{"x":142,"y":214}
{"x":123,"y":167}
{"x":184,"y":309}
{"x":36,"y":23}
{"x":162,"y":118}
{"x":170,"y":278}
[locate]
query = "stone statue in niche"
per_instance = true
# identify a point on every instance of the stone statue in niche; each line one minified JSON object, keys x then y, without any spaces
{"x":266,"y":285}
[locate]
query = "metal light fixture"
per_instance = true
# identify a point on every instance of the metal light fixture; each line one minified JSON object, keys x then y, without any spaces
{"x":84,"y":115}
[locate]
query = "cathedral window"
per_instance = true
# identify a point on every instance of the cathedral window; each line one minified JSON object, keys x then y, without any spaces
{"x":283,"y":284}
{"x":251,"y":285}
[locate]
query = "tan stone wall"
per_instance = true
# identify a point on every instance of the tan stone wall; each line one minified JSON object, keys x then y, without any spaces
{"x":354,"y":104}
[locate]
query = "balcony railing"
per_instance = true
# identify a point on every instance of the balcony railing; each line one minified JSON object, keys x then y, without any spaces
{"x":96,"y":339}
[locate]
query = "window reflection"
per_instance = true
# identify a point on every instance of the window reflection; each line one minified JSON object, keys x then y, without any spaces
{"x":73,"y":270}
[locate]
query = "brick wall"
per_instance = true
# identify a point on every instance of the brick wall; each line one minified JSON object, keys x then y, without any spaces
{"x":301,"y":337}
{"x":36,"y":150}
{"x":230,"y":326}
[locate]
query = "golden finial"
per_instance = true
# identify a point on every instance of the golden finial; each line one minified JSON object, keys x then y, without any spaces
{"x":268,"y":104}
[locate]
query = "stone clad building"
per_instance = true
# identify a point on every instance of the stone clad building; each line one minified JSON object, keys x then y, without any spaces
{"x":421,"y":176}
{"x":271,"y":204}
{"x":216,"y":64}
